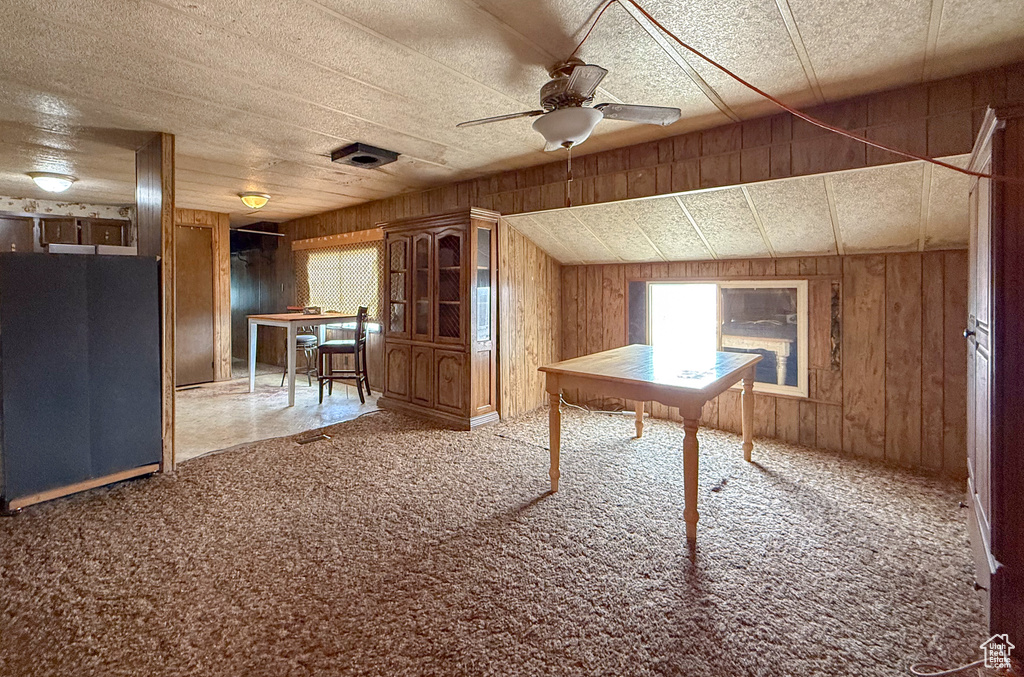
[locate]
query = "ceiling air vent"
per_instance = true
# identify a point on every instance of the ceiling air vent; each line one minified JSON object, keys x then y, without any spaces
{"x":362,"y":155}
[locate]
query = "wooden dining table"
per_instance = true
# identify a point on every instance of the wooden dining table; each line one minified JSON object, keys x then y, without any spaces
{"x":291,"y":322}
{"x":643,"y":373}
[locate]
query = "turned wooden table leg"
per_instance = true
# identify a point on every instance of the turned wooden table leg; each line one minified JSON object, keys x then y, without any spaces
{"x":639,"y":418}
{"x":691,"y":458}
{"x":554,"y":438}
{"x":748,"y":417}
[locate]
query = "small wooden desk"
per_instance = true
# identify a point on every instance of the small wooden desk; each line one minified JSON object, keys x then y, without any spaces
{"x":642,"y":373}
{"x":290,"y":321}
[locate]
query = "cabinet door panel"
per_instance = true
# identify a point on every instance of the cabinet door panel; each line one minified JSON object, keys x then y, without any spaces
{"x":450,"y":286}
{"x":422,"y":292}
{"x":397,"y":286}
{"x":451,"y":381}
{"x":423,"y":376}
{"x":396,"y":372}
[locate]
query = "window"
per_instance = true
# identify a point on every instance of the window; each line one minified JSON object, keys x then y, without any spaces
{"x":341,"y":278}
{"x":767,"y":317}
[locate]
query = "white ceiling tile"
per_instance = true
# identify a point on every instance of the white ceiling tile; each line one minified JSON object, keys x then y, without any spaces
{"x":543,"y":238}
{"x":614,"y":227}
{"x":724,"y":217}
{"x":975,"y":35}
{"x":668,"y":229}
{"x":948,"y":225}
{"x":572,"y":234}
{"x":880,"y":208}
{"x":856,"y":41}
{"x":795,"y":216}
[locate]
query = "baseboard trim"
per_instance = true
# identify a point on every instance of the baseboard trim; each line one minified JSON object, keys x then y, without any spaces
{"x":50,"y":494}
{"x":450,"y":420}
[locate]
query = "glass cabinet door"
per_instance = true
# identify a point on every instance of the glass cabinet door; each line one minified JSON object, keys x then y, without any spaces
{"x":397,"y":272}
{"x":449,"y":286}
{"x":483,"y":284}
{"x":421,"y":286}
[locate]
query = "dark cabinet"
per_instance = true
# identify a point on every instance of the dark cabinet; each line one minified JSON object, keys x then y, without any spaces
{"x":73,"y":230}
{"x":441,"y":275}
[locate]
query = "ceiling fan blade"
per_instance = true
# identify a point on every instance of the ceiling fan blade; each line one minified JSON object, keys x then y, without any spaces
{"x":498,"y":118}
{"x":648,"y":115}
{"x":584,"y":80}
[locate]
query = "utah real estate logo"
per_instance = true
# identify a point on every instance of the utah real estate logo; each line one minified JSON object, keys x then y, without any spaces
{"x":997,"y":650}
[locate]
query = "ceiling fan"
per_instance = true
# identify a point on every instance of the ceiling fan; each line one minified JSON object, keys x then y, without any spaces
{"x":566,"y":116}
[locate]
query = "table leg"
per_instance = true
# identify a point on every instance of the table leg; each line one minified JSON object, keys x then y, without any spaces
{"x":639,"y":418}
{"x":554,"y":438}
{"x":252,"y":356}
{"x":691,"y":464}
{"x":291,"y":363}
{"x":748,"y":417}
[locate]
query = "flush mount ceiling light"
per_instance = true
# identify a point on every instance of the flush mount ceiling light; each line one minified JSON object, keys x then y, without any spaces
{"x":53,"y":183}
{"x":254,"y":200}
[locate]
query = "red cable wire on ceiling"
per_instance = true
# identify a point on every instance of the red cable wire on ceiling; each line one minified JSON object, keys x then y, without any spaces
{"x":803,"y":116}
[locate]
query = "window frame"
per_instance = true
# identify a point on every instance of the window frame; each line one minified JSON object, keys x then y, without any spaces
{"x":802,"y":388}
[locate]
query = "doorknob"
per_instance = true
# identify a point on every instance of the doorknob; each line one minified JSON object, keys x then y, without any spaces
{"x":968,"y":333}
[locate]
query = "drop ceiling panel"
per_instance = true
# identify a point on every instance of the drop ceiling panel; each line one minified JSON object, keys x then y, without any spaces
{"x":975,"y":35}
{"x":614,"y":227}
{"x":575,"y":236}
{"x":543,"y":238}
{"x":948,"y":224}
{"x":727,"y":222}
{"x":666,"y":226}
{"x":850,"y":42}
{"x":879,"y":209}
{"x":795,"y":216}
{"x":749,"y":38}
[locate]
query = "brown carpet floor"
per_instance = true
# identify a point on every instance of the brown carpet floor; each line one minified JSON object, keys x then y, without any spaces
{"x":399,"y":549}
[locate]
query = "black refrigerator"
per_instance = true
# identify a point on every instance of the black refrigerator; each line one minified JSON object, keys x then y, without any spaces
{"x":80,"y":370}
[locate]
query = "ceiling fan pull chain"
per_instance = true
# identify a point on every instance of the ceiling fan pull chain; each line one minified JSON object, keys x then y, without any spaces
{"x":568,"y":177}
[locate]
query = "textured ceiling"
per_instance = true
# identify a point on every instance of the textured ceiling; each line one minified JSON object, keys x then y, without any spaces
{"x":905,"y":207}
{"x":258,"y":94}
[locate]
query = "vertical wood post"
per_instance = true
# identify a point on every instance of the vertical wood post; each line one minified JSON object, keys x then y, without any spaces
{"x":154,"y":199}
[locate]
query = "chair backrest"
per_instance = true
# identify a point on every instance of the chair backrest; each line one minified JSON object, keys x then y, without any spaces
{"x":361,"y":324}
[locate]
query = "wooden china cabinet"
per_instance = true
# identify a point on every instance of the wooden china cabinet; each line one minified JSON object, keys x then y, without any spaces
{"x":440,"y":337}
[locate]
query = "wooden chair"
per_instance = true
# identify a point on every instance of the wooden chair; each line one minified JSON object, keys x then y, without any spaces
{"x":356,"y":347}
{"x":305,"y":341}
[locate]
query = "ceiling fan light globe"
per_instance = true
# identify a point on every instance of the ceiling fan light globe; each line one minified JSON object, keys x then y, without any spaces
{"x":567,"y":126}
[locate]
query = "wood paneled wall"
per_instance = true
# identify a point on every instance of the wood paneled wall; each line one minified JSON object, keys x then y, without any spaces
{"x":529,"y":320}
{"x":939,"y":118}
{"x":899,"y":394}
{"x":220,"y":224}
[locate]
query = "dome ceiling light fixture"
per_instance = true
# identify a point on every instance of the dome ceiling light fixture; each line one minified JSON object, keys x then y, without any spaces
{"x":254,"y":200}
{"x":51,"y":182}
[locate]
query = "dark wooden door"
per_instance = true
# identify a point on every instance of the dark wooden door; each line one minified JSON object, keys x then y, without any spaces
{"x":193,"y":329}
{"x":979,"y":363}
{"x":995,"y":407}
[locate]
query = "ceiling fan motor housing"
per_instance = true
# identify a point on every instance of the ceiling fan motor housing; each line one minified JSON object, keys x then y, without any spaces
{"x":555,"y":94}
